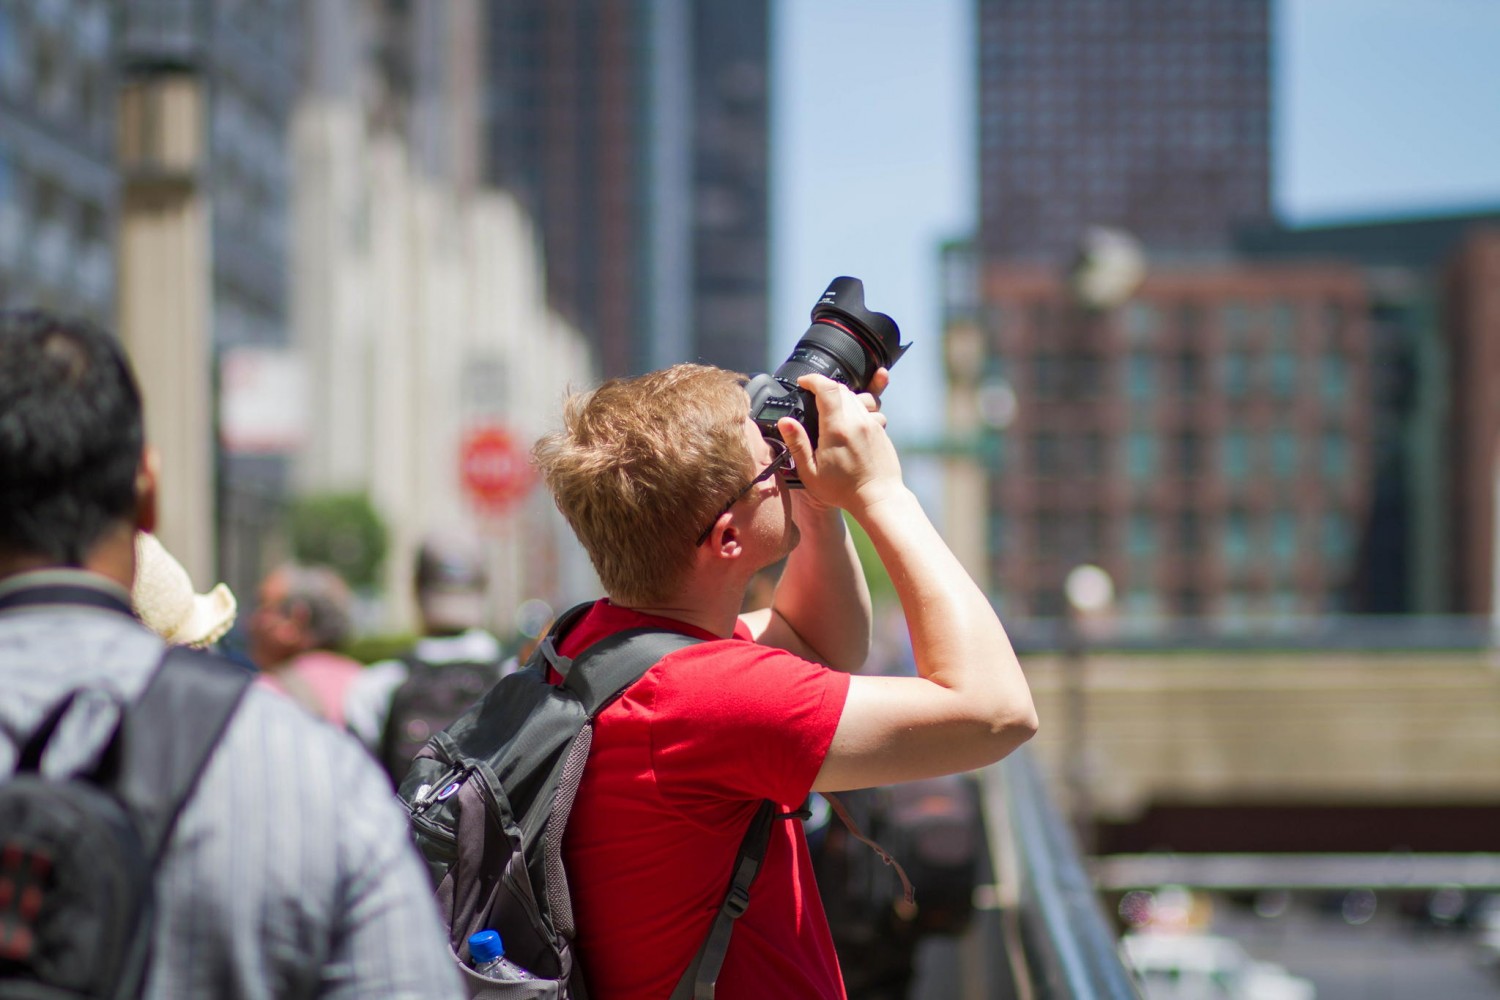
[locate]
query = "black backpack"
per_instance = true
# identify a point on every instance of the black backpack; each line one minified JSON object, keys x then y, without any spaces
{"x":78,"y":855}
{"x":933,"y":840}
{"x":428,"y":701}
{"x":489,"y":800}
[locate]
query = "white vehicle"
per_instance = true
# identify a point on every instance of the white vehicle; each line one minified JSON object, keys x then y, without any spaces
{"x":1191,"y":966}
{"x":1487,"y":931}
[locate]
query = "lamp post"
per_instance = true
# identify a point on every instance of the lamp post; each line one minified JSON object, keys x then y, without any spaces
{"x":1089,"y":593}
{"x":1106,"y":270}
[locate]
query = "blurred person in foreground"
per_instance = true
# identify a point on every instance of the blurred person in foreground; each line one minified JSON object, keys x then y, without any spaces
{"x":288,"y":872}
{"x":679,"y":501}
{"x":301,"y":619}
{"x":395,"y":705}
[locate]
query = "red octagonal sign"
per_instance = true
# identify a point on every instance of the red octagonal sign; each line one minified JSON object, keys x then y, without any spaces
{"x":495,"y":470}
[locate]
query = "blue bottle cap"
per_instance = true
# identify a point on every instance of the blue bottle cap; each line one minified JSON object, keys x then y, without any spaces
{"x":485,"y":947}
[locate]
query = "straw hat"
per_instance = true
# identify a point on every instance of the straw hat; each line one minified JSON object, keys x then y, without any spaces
{"x":164,"y":598}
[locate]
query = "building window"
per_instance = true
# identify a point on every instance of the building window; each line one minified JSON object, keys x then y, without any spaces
{"x":1334,"y":379}
{"x":1046,"y":454}
{"x":1335,"y":455}
{"x":1189,"y":448}
{"x":1190,"y":320}
{"x":1236,"y":373}
{"x":1049,"y":534}
{"x":1283,"y":322}
{"x":1284,"y":537}
{"x":1337,"y":541}
{"x":1189,"y":373}
{"x":1047,"y":602}
{"x":1189,"y":532}
{"x":1090,"y":453}
{"x":1189,"y":602}
{"x":999,"y":540}
{"x":1140,"y":323}
{"x":1142,"y":377}
{"x":1237,"y":321}
{"x":1283,"y":453}
{"x":1236,"y":455}
{"x":1142,"y":602}
{"x":1283,"y":373}
{"x":1140,"y":543}
{"x":1237,"y":538}
{"x":1046,"y":375}
{"x":1140,"y":455}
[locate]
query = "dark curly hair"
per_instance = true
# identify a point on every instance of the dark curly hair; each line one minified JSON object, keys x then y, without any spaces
{"x":71,"y":435}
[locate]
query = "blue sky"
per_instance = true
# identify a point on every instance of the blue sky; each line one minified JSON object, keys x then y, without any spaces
{"x":1381,"y":107}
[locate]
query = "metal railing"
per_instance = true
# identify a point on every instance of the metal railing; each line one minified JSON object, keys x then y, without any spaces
{"x":1058,"y":944}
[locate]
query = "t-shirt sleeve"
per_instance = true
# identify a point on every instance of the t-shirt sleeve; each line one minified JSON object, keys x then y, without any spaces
{"x":735,"y":719}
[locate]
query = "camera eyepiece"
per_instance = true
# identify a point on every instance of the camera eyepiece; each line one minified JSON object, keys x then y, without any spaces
{"x":846,"y":342}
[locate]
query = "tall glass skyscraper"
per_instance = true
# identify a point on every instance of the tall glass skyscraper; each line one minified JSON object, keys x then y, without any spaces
{"x":636,"y":133}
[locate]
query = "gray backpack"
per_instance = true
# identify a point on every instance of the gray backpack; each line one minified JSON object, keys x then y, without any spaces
{"x":79,"y":852}
{"x":489,"y":799}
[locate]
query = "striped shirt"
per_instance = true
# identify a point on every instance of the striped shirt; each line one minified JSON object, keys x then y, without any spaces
{"x":289,"y":873}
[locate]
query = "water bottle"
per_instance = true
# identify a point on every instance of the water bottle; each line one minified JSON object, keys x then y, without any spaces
{"x":490,"y":961}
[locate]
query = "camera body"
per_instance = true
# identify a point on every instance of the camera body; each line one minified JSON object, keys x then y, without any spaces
{"x":846,"y":342}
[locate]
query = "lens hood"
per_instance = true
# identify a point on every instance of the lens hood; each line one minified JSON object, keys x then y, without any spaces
{"x":843,"y":305}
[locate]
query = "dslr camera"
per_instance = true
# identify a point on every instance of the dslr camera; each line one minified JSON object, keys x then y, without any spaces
{"x":846,"y":342}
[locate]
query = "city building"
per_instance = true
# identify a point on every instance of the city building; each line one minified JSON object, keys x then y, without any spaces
{"x":1152,"y":117}
{"x":58,"y":184}
{"x":636,"y":134}
{"x":1428,"y":547}
{"x":64,"y":66}
{"x":420,"y":314}
{"x":1208,"y":444}
{"x":1472,"y":287}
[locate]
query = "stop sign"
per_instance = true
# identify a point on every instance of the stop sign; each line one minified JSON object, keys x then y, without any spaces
{"x":494,"y":468}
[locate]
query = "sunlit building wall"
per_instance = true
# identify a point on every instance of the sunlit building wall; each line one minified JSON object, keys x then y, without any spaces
{"x":420,"y":299}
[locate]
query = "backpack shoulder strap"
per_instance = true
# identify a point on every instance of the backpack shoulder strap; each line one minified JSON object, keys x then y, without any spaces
{"x":602,"y":672}
{"x":166,"y":737}
{"x":702,"y":974}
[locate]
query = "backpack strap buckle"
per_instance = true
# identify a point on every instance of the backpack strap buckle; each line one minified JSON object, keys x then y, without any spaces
{"x":737,"y":902}
{"x":562,"y":664}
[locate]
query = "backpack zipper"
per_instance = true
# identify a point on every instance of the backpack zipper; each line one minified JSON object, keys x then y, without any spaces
{"x":445,"y":787}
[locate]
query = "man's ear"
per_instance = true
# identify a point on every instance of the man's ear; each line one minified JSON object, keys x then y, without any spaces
{"x":728,"y":542}
{"x":146,"y":475}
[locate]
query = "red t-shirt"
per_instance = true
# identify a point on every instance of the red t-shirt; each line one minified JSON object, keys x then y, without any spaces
{"x":678,"y":767}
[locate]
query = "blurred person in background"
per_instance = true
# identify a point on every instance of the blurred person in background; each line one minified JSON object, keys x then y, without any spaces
{"x":288,"y":872}
{"x":395,"y":705}
{"x":302,"y":618}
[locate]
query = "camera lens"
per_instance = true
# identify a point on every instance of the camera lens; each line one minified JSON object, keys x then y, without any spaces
{"x":846,"y":343}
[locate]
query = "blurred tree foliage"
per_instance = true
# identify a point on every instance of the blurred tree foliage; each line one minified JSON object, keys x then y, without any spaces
{"x":341,"y":530}
{"x":882,"y":590}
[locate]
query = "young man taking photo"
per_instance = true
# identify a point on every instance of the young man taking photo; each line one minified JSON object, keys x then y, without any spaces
{"x":679,"y":501}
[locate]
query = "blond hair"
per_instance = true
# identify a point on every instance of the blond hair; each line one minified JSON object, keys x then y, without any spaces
{"x":641,"y":465}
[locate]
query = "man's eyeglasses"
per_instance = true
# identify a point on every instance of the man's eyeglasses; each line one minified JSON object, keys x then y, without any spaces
{"x":780,"y":459}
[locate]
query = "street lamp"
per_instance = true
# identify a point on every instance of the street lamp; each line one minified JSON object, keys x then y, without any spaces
{"x":1089,"y":593}
{"x":1106,"y":270}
